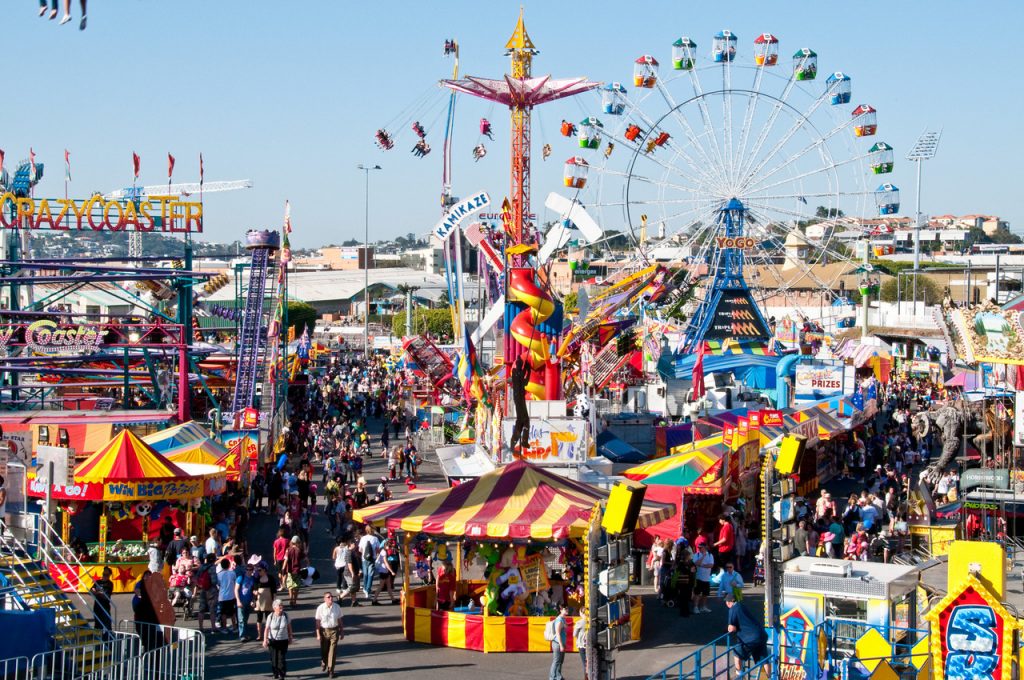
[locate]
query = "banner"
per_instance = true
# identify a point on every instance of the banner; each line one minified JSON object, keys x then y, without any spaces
{"x":815,"y":381}
{"x":551,"y":440}
{"x":459,"y":212}
{"x":771,"y":417}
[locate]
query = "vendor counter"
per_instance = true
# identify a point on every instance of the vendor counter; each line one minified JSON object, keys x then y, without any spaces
{"x":73,"y":578}
{"x":472,"y":629}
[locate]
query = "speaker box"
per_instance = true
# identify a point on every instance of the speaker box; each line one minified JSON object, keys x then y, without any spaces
{"x":791,"y":450}
{"x":623,"y":508}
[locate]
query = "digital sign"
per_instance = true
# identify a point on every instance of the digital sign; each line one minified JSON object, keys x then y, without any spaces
{"x":736,"y":317}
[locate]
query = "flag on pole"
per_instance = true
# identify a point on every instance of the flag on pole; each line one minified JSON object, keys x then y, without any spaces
{"x":698,"y":374}
{"x":170,"y":166}
{"x":136,"y":161}
{"x":67,"y":165}
{"x":287,"y":217}
{"x":286,"y":251}
{"x":2,"y":154}
{"x":200,"y":169}
{"x":469,"y":371}
{"x":32,"y":165}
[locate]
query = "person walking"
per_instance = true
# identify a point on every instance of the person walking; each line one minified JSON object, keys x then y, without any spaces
{"x":245,"y":585}
{"x":386,"y":570}
{"x":558,"y":644}
{"x":292,"y":566}
{"x":329,"y":630}
{"x":703,"y":561}
{"x":226,"y":603}
{"x":277,"y":635}
{"x":750,"y":634}
{"x":579,"y":634}
{"x":369,"y":545}
{"x":341,"y":558}
{"x":266,"y":589}
{"x":102,"y":590}
{"x":730,"y":582}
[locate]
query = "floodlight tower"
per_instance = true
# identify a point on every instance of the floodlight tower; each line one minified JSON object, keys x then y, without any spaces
{"x":924,"y":150}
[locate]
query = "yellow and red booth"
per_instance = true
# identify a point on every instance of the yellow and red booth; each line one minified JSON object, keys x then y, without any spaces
{"x":520,"y":503}
{"x":126,"y":473}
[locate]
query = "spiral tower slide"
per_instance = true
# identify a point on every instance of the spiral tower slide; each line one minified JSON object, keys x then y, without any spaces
{"x":523,"y":327}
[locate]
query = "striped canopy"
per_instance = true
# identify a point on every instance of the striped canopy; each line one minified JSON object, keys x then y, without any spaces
{"x":518,"y":501}
{"x":126,"y":458}
{"x":189,"y":432}
{"x":699,"y":456}
{"x":206,"y":451}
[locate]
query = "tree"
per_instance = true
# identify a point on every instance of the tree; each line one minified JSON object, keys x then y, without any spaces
{"x":301,"y":315}
{"x":570,"y":302}
{"x":927,"y":290}
{"x":828,"y":213}
{"x":436,"y":322}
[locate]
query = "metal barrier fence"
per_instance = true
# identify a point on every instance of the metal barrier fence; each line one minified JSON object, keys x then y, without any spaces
{"x":713,"y":660}
{"x":14,"y":668}
{"x":110,"y":660}
{"x":169,"y":652}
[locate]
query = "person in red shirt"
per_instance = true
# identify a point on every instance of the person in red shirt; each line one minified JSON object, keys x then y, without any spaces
{"x":726,"y":543}
{"x":445,"y":584}
{"x":280,"y":548}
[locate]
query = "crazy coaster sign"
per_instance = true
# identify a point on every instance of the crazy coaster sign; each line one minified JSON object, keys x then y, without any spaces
{"x":168,"y":214}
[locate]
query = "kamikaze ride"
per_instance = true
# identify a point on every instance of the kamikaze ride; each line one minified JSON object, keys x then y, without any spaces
{"x":532,"y":319}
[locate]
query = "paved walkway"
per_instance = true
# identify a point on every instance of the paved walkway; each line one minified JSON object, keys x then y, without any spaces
{"x":374,"y":645}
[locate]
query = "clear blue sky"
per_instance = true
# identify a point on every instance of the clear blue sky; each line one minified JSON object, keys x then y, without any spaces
{"x":288,"y":94}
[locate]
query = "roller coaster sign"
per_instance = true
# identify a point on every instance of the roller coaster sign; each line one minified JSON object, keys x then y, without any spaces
{"x":168,"y":214}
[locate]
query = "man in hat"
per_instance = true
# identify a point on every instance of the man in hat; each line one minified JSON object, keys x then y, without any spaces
{"x":750,"y":635}
{"x":175,"y":547}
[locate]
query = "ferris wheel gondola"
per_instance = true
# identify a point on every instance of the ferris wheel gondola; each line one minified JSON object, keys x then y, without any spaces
{"x":726,"y":126}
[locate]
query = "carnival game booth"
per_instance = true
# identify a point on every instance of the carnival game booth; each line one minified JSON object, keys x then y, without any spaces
{"x":691,"y":480}
{"x":116,"y":503}
{"x":510,"y":527}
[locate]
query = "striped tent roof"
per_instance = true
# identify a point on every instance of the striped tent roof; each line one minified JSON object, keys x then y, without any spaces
{"x":517,"y":501}
{"x":700,"y":455}
{"x":205,"y":451}
{"x":126,"y":458}
{"x":189,"y":432}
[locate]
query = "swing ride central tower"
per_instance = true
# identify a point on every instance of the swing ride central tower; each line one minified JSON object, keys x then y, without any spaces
{"x":520,"y":92}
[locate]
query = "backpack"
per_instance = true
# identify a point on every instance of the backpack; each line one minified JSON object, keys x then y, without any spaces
{"x":549,"y":630}
{"x":393,"y":561}
{"x":368,"y":551}
{"x":204,"y":581}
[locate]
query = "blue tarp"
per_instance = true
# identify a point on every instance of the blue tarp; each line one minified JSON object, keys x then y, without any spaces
{"x":26,"y":633}
{"x":618,"y":451}
{"x":680,"y":366}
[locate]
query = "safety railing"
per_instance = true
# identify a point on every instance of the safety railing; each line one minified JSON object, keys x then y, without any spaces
{"x":15,"y":668}
{"x":113,"y":659}
{"x":169,"y":652}
{"x":52,"y":548}
{"x":713,"y":660}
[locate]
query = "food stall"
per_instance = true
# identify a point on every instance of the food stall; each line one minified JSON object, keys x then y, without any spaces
{"x":522,"y":530}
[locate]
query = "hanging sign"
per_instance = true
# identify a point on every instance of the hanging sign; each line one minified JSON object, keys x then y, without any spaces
{"x":771,"y":417}
{"x":459,"y":212}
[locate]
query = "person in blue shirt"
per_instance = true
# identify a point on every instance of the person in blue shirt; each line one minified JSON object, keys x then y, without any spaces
{"x":750,"y":634}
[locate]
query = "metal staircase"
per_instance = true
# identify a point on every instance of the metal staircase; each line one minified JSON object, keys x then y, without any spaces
{"x":606,"y":363}
{"x":30,"y":585}
{"x":253,"y":337}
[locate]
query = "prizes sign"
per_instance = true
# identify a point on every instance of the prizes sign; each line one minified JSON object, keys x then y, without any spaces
{"x":459,"y":212}
{"x":814,"y":382}
{"x":168,"y":214}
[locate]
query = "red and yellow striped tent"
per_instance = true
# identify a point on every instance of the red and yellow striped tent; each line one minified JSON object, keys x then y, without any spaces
{"x":517,"y":501}
{"x":126,"y":458}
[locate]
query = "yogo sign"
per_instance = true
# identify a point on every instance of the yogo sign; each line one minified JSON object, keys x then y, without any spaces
{"x":741,"y":242}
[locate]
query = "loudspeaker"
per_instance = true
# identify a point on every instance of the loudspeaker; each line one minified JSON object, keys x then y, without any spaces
{"x":623,"y":508}
{"x":791,"y":450}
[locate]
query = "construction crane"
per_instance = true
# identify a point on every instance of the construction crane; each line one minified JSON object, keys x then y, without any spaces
{"x":185,"y":189}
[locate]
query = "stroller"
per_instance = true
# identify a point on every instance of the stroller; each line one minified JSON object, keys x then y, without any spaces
{"x":181,"y":597}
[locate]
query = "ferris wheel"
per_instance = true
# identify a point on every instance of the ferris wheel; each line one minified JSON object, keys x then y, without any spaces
{"x":665,"y":155}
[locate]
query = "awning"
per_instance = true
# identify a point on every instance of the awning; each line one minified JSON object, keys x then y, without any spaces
{"x":518,"y":501}
{"x":701,"y":454}
{"x":206,"y":452}
{"x":189,"y":432}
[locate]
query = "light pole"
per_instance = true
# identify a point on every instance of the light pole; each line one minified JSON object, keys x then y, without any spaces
{"x":924,"y":149}
{"x":366,"y":262}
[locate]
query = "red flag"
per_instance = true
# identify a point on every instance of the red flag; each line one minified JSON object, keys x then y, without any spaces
{"x":287,"y":217}
{"x":67,"y":165}
{"x":170,"y":165}
{"x":2,"y":161}
{"x":698,"y":374}
{"x":135,"y":163}
{"x":32,"y":161}
{"x":200,"y":169}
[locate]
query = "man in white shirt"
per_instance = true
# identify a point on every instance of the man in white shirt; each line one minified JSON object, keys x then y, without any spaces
{"x":704,"y":561}
{"x":329,"y":629}
{"x":212,"y":544}
{"x":226,"y":596}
